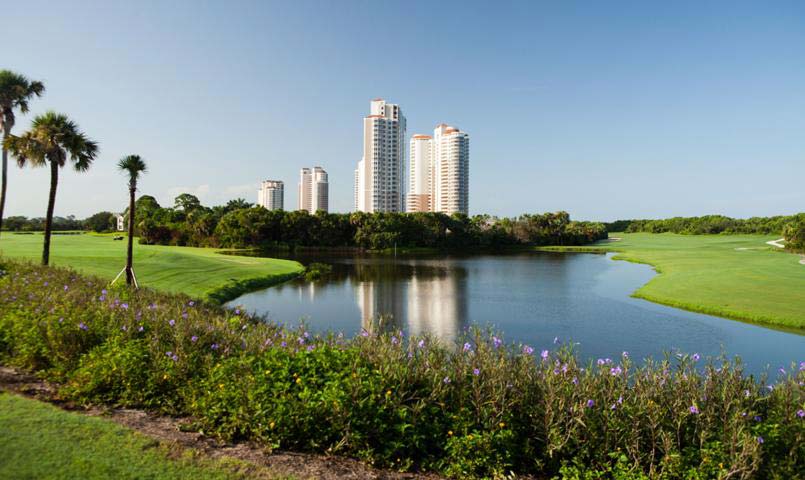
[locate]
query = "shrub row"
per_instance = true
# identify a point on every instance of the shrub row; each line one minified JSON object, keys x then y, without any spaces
{"x":481,"y":409}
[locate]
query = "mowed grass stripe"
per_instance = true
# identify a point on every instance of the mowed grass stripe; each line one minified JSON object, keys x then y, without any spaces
{"x":40,"y":441}
{"x":189,"y":270}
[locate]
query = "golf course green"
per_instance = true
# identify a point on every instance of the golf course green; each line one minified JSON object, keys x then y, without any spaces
{"x":732,"y":276}
{"x":198,"y":272}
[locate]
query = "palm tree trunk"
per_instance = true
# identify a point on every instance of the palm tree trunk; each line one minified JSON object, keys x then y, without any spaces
{"x":54,"y":182}
{"x":130,"y":252}
{"x":4,"y":181}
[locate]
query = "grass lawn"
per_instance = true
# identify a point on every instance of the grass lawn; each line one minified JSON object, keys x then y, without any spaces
{"x":194,"y":271}
{"x":734,"y":276}
{"x":40,"y":441}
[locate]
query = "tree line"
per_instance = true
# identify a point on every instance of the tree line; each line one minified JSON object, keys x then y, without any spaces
{"x":239,"y":224}
{"x":709,"y":224}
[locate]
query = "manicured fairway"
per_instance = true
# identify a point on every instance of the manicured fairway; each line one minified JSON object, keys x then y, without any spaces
{"x":194,"y":271}
{"x":40,"y":441}
{"x":735,"y":276}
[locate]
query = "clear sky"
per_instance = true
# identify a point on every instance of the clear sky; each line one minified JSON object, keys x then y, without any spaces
{"x":604,"y":109}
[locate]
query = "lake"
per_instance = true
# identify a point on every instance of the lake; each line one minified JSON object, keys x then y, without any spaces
{"x":532,"y":298}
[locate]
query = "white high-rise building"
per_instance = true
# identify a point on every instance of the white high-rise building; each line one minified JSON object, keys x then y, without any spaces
{"x":379,"y":178}
{"x":313,"y":190}
{"x":439,"y":172}
{"x":271,"y":194}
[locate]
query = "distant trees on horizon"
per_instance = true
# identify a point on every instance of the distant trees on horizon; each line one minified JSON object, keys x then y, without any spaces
{"x":708,"y":224}
{"x":239,"y":224}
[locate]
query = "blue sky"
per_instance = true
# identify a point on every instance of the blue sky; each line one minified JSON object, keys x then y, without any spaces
{"x":604,"y":109}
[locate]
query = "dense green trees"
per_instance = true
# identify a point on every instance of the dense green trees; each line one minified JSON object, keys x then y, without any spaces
{"x":238,"y":225}
{"x":101,"y":222}
{"x":708,"y":224}
{"x":794,"y":234}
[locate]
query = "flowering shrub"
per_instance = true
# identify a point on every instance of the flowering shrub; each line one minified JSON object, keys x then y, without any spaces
{"x":483,"y":408}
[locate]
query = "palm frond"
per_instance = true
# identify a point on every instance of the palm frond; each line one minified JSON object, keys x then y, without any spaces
{"x":134,"y":165}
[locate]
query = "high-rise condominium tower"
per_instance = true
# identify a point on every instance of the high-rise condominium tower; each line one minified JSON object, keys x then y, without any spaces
{"x":380,"y":173}
{"x":440,"y":172}
{"x":271,"y":194}
{"x":313,"y":190}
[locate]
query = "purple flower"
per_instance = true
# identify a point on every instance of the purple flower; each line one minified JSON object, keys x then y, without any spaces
{"x":575,"y":381}
{"x":184,"y":314}
{"x":758,"y":418}
{"x":801,"y":366}
{"x":467,"y":347}
{"x":696,"y":357}
{"x":104,"y":292}
{"x":527,"y":350}
{"x":496,"y":342}
{"x":590,"y":403}
{"x":600,"y":361}
{"x":801,"y":413}
{"x":301,"y":340}
{"x":476,"y":371}
{"x":66,"y":288}
{"x":194,"y":339}
{"x":421,"y":344}
{"x":394,"y":340}
{"x":310,"y":348}
{"x":625,"y":354}
{"x":141,"y":328}
{"x":214,"y":346}
{"x":616,"y":371}
{"x":694,"y":409}
{"x":781,"y":370}
{"x":364,"y":333}
{"x":283,"y":344}
{"x":544,"y":354}
{"x":191,"y":303}
{"x":446,"y":380}
{"x":175,"y":357}
{"x":169,"y":354}
{"x":172,"y":322}
{"x":124,"y":306}
{"x":760,"y":440}
{"x":124,"y":328}
{"x":82,"y":326}
{"x":237,"y":311}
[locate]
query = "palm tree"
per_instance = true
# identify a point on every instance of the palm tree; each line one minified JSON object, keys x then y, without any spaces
{"x":135,"y":166}
{"x":15,"y":92}
{"x":52,"y":139}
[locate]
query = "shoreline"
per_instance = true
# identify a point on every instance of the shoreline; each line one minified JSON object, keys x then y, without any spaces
{"x":620,"y":254}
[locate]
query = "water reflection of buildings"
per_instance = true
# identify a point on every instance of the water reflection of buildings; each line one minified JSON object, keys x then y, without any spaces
{"x":422,"y":299}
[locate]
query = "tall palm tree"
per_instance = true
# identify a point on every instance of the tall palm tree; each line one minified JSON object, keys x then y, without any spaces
{"x":15,"y":92}
{"x":135,"y":166}
{"x":52,"y":140}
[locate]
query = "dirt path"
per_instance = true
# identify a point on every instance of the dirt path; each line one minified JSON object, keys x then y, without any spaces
{"x":168,"y":430}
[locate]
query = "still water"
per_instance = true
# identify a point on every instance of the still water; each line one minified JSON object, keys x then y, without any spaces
{"x":532,"y":298}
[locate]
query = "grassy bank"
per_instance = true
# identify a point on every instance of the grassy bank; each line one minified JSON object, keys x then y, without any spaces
{"x":733,"y":276}
{"x":198,"y":272}
{"x":40,"y":441}
{"x":477,"y":411}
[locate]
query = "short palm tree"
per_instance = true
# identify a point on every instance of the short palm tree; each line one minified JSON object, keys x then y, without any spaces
{"x":52,"y":140}
{"x":134,"y":166}
{"x":15,"y":92}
